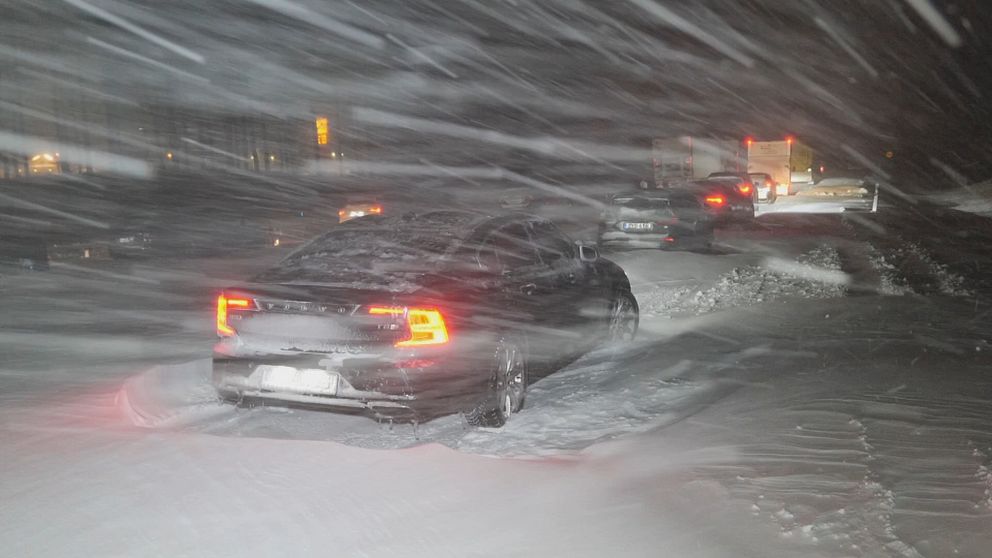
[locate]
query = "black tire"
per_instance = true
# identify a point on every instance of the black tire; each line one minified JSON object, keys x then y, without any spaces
{"x":624,"y":318}
{"x":508,"y":385}
{"x":704,"y":237}
{"x":705,"y":243}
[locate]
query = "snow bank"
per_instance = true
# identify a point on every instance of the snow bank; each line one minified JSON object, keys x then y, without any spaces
{"x":170,"y":395}
{"x":973,"y":198}
{"x":815,"y":274}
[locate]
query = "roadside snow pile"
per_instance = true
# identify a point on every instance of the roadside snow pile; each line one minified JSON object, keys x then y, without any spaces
{"x":926,"y":275}
{"x":973,"y":198}
{"x":169,"y":395}
{"x":816,"y":274}
{"x":889,"y":280}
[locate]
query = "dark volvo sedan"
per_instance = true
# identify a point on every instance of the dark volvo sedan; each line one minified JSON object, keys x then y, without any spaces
{"x":420,"y":315}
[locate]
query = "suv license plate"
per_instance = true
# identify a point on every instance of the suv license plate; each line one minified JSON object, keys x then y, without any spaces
{"x":295,"y":380}
{"x":637,"y":226}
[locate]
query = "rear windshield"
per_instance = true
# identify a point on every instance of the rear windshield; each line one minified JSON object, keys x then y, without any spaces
{"x":637,"y":202}
{"x":379,"y":244}
{"x":366,"y":256}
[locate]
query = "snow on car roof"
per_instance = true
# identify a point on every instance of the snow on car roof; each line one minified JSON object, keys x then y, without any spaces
{"x":644,"y":194}
{"x":376,"y":252}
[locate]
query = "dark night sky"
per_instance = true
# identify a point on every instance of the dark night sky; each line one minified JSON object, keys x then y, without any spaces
{"x":869,"y":75}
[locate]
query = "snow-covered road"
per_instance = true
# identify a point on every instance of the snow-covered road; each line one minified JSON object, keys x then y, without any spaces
{"x":812,"y":387}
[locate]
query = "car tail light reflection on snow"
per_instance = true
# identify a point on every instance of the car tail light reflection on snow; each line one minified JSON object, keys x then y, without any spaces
{"x":716,"y":200}
{"x":225,"y":305}
{"x":426,"y":325}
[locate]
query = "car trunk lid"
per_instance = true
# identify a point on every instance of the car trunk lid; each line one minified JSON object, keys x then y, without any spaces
{"x":316,"y":319}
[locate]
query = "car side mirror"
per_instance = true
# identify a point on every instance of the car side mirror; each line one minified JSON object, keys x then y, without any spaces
{"x":588,"y":253}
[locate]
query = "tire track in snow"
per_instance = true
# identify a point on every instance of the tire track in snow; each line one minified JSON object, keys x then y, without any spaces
{"x":814,"y":480}
{"x":875,"y":475}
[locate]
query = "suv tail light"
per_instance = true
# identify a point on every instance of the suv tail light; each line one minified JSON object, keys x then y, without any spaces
{"x":226,"y":305}
{"x":744,"y":188}
{"x":716,"y":200}
{"x":425,"y":325}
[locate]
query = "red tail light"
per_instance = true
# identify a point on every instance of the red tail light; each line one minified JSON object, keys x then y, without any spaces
{"x":716,"y":200}
{"x":375,"y":210}
{"x":744,"y":189}
{"x":426,"y":325}
{"x":225,"y":305}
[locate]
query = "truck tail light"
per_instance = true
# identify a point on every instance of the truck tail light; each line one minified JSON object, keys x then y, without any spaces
{"x":425,"y":325}
{"x":225,"y":305}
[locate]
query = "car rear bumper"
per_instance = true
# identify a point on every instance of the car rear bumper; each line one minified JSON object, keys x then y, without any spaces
{"x":640,"y":239}
{"x":734,"y":214}
{"x":421,"y":387}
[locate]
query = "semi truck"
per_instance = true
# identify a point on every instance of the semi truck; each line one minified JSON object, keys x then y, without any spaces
{"x":687,"y":158}
{"x":789,"y":162}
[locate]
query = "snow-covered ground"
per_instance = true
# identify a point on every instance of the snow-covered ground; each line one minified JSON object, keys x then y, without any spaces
{"x":973,"y":198}
{"x":811,"y":387}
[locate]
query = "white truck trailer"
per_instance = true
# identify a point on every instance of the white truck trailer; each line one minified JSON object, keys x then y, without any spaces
{"x":687,"y":158}
{"x":789,"y":162}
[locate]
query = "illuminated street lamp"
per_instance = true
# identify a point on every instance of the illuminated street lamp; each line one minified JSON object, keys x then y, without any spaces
{"x":323,"y":130}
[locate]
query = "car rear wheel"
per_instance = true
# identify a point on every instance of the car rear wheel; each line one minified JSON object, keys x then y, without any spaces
{"x":624,"y":318}
{"x":508,"y":387}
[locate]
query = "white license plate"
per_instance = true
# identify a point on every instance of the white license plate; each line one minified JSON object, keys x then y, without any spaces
{"x":637,"y":226}
{"x":296,"y":380}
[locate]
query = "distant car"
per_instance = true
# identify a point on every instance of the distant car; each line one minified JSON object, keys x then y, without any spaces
{"x":742,"y":183}
{"x":764,"y":187}
{"x":724,"y":199}
{"x":361,"y":207}
{"x":667,"y":219}
{"x":516,"y":200}
{"x":420,"y":315}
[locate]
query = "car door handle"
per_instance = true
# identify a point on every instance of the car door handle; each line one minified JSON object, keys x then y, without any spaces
{"x":528,"y":288}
